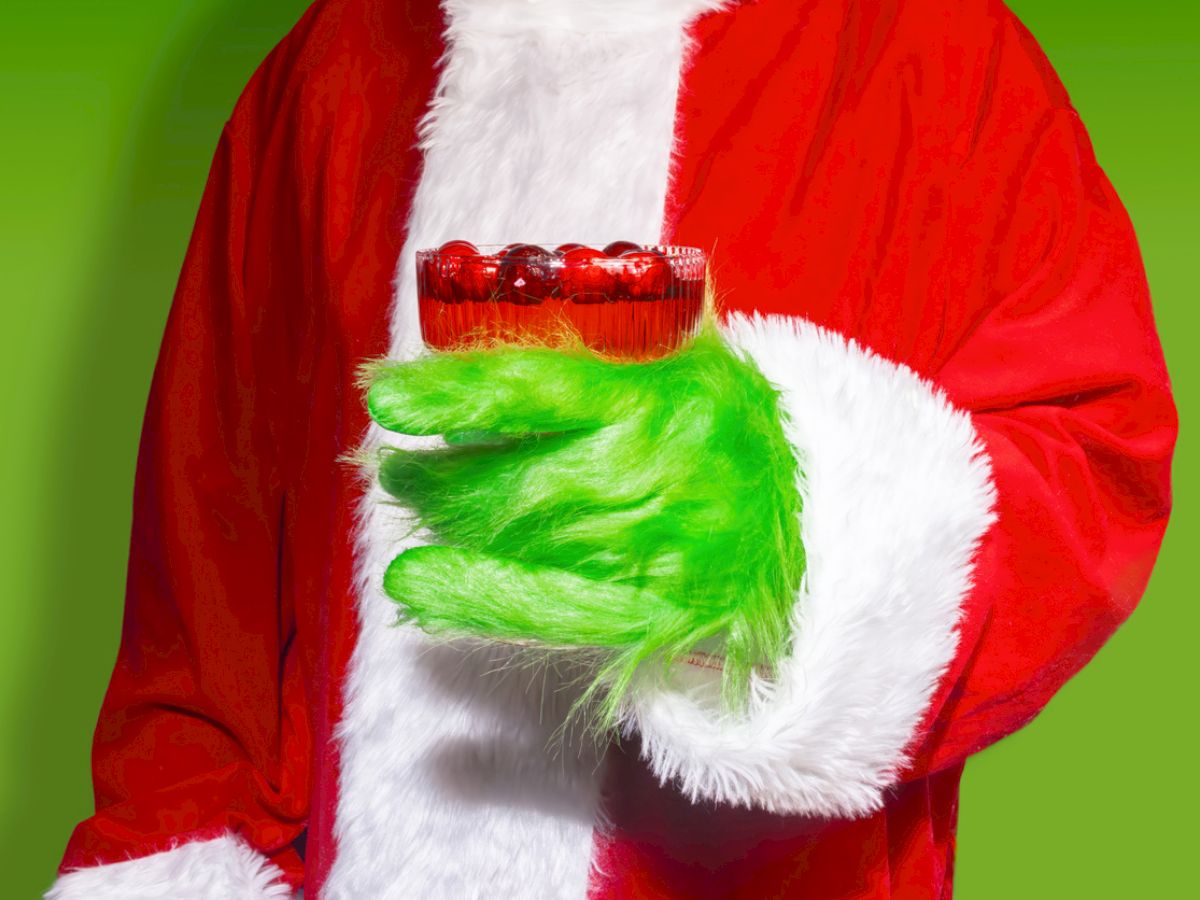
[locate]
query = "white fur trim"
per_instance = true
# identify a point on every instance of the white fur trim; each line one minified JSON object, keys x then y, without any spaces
{"x":544,"y":134}
{"x":225,"y":868}
{"x":586,"y":16}
{"x":539,"y":131}
{"x":897,"y":494}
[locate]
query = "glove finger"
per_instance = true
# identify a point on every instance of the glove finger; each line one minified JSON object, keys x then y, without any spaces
{"x":470,"y":494}
{"x":521,"y":390}
{"x":506,"y":495}
{"x":450,"y":590}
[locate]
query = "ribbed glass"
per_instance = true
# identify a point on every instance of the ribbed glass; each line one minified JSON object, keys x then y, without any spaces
{"x":640,"y":305}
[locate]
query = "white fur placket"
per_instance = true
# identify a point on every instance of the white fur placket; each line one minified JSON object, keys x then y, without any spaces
{"x":553,"y":120}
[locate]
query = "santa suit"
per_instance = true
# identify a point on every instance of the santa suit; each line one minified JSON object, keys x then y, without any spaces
{"x":955,"y":313}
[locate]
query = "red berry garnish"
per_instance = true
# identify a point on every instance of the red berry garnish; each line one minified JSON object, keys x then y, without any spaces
{"x":643,"y":275}
{"x":477,"y":278}
{"x":525,"y":251}
{"x":580,"y":254}
{"x":441,"y":272}
{"x":458,"y":248}
{"x":586,"y":276}
{"x":620,"y":248}
{"x":431,"y":285}
{"x":526,"y":273}
{"x":562,"y":249}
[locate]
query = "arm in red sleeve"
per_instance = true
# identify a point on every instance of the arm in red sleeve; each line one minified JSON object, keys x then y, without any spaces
{"x":1067,"y":388}
{"x":200,"y":754}
{"x":976,"y":532}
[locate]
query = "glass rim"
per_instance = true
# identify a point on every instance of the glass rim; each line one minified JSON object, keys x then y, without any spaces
{"x":670,"y":252}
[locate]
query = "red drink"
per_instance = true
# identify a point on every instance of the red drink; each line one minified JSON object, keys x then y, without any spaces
{"x":635,"y":302}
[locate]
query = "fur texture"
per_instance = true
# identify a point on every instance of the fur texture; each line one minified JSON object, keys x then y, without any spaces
{"x":539,"y":130}
{"x":642,"y":509}
{"x":547,"y":127}
{"x":225,"y":868}
{"x":583,"y":16}
{"x":897,"y":494}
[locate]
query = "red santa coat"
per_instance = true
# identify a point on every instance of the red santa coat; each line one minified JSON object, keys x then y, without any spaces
{"x":913,"y":240}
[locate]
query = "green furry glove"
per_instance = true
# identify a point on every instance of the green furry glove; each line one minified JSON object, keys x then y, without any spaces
{"x":639,"y":509}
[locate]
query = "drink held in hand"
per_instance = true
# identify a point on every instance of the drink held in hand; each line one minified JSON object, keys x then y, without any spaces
{"x":627,"y":300}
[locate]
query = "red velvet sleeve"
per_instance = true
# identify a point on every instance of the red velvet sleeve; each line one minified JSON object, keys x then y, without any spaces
{"x":978,"y":520}
{"x":202,"y":731}
{"x":1060,"y":366}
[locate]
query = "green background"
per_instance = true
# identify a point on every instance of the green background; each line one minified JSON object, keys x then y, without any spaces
{"x":111,"y":112}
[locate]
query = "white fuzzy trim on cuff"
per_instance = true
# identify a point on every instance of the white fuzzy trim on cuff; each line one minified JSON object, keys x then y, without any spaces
{"x":226,"y":868}
{"x":897,"y":494}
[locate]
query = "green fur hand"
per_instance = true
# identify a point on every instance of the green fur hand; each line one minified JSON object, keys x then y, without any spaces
{"x":642,"y":509}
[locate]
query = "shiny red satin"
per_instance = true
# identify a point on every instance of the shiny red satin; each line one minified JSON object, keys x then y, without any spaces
{"x":909,"y":173}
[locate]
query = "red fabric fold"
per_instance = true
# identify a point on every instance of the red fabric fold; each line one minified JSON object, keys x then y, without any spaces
{"x":205,"y":724}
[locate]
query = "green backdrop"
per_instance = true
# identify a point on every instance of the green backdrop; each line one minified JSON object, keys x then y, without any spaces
{"x":111,"y":112}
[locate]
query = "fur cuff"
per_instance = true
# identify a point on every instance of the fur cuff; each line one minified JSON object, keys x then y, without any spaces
{"x":226,"y":868}
{"x":897,"y":494}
